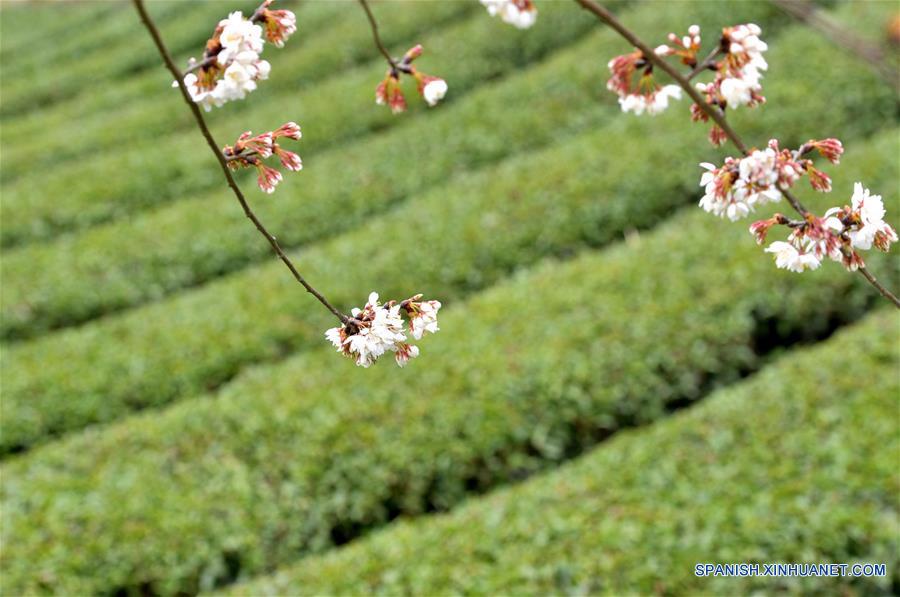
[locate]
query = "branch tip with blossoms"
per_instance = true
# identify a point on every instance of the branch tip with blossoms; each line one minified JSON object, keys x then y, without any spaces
{"x":377,"y":329}
{"x":389,"y":92}
{"x":734,"y":189}
{"x":223,"y":161}
{"x":231,"y":65}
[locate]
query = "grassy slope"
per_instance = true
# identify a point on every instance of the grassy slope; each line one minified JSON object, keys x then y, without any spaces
{"x":294,"y":457}
{"x":158,"y":366}
{"x":792,"y":465}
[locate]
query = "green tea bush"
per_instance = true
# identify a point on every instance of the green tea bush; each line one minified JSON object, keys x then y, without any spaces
{"x":299,"y":456}
{"x":150,"y":365}
{"x":17,"y":29}
{"x":171,"y":167}
{"x":793,"y":465}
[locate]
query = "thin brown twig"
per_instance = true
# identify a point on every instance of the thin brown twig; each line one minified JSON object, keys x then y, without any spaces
{"x":713,"y":112}
{"x":378,"y":43}
{"x":201,"y":123}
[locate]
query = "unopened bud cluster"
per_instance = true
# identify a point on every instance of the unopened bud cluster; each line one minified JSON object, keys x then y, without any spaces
{"x":378,"y":329}
{"x":231,"y":64}
{"x":249,"y":151}
{"x":388,"y":92}
{"x":521,"y":14}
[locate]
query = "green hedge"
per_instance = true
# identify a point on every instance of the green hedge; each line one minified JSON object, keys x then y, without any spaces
{"x":308,"y":58}
{"x":17,"y":33}
{"x":56,"y":285}
{"x":149,"y":364}
{"x":176,"y":166}
{"x":294,"y":457}
{"x":795,"y":465}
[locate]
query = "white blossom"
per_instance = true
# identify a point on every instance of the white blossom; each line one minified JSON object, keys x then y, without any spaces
{"x":653,"y":103}
{"x":377,"y":329}
{"x":434,"y":91}
{"x":870,"y":209}
{"x":758,"y":175}
{"x":788,"y":257}
{"x":738,"y":92}
{"x":425,"y":319}
{"x":519,"y":13}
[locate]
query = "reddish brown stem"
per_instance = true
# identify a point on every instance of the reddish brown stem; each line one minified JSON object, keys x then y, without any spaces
{"x":713,"y":112}
{"x":201,"y":124}
{"x":375,"y":35}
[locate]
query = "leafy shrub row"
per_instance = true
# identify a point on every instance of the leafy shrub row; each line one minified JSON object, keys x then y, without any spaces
{"x":125,"y":263}
{"x":171,"y":167}
{"x":300,"y":456}
{"x":795,"y":465}
{"x":17,"y":30}
{"x":498,"y":221}
{"x":309,"y":58}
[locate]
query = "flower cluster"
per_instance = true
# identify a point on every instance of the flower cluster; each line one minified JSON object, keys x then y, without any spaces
{"x":521,"y":14}
{"x":838,"y":235}
{"x":739,"y":185}
{"x":638,"y":92}
{"x":377,"y":329}
{"x":737,"y":80}
{"x":388,"y":92}
{"x":249,"y":152}
{"x":231,"y":65}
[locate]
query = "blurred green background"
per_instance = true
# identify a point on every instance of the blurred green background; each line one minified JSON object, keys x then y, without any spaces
{"x":173,"y":421}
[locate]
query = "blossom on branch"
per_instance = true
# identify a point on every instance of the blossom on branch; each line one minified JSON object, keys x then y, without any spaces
{"x":389,"y":93}
{"x":740,"y":185}
{"x":644,"y":94}
{"x":521,"y":14}
{"x":377,"y":329}
{"x":249,"y":152}
{"x":838,"y":235}
{"x":231,"y":64}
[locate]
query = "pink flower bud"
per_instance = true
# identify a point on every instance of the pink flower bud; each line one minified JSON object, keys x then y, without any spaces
{"x":268,"y":178}
{"x":818,"y":179}
{"x":831,"y":149}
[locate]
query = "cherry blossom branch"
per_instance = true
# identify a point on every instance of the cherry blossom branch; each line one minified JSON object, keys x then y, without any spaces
{"x":201,"y":123}
{"x":715,"y":113}
{"x":712,"y":111}
{"x":378,"y":43}
{"x":806,"y":12}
